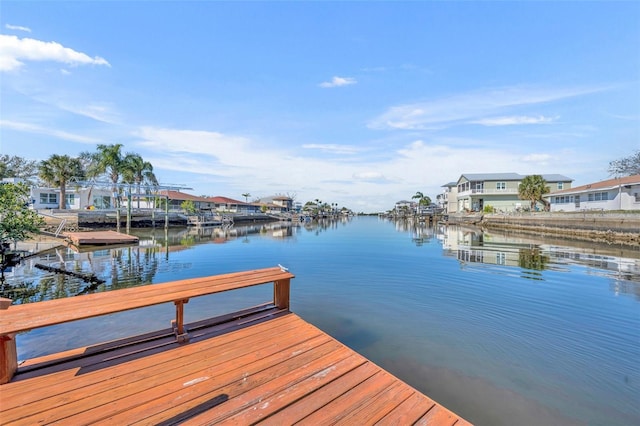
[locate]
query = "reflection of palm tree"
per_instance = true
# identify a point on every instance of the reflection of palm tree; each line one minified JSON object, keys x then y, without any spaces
{"x":532,"y":259}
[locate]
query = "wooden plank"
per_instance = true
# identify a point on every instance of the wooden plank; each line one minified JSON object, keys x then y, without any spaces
{"x":349,"y":401}
{"x":378,"y":406}
{"x":279,"y":400}
{"x":180,"y":404}
{"x":270,"y":382}
{"x":129,"y":385}
{"x":124,"y":299}
{"x":281,"y":289}
{"x":408,"y":412}
{"x":28,"y":316}
{"x":38,"y":386}
{"x":316,"y":400}
{"x":100,"y":238}
{"x":438,"y":415}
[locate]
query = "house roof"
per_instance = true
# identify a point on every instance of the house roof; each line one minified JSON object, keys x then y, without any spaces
{"x":511,"y":176}
{"x":177,"y":195}
{"x":224,"y":200}
{"x":490,"y":176}
{"x":556,"y":178}
{"x":449,"y":185}
{"x":603,"y":184}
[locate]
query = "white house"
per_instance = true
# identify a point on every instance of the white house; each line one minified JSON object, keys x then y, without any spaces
{"x":404,"y":206}
{"x":75,"y":198}
{"x":613,"y":194}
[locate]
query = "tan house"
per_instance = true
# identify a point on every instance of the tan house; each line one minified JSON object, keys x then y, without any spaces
{"x":447,"y":198}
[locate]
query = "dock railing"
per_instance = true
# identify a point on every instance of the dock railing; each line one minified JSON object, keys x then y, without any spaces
{"x":18,"y":318}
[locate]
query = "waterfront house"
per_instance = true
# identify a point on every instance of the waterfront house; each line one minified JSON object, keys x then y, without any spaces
{"x":176,"y":198}
{"x":498,"y":190}
{"x":229,"y":205}
{"x":277,"y":203}
{"x":612,"y":194}
{"x":77,"y":197}
{"x":449,"y":192}
{"x":403,"y":207}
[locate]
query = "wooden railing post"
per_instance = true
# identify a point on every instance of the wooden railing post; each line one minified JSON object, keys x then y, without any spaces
{"x":8,"y":351}
{"x":178,"y":324}
{"x":281,"y":293}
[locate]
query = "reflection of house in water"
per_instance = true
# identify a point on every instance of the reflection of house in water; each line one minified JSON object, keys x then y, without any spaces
{"x":473,"y":246}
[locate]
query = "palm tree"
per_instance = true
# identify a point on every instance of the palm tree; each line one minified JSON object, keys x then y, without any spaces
{"x":137,"y":172}
{"x":110,"y":162}
{"x":246,"y":196}
{"x":532,"y":188}
{"x":58,"y":170}
{"x":423,"y":200}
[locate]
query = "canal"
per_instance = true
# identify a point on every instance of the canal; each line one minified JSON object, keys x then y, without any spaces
{"x":500,"y":328}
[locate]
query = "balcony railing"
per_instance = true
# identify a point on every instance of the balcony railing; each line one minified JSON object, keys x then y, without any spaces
{"x":488,"y":191}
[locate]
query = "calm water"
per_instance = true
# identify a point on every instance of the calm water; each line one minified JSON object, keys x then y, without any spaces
{"x":500,"y":329}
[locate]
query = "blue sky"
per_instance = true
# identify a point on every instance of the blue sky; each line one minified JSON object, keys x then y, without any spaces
{"x":358,"y":103}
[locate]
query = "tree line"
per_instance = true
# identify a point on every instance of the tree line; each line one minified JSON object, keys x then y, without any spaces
{"x":107,"y":162}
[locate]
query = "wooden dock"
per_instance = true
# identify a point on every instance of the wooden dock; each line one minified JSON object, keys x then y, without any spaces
{"x":100,"y":238}
{"x":261,"y":365}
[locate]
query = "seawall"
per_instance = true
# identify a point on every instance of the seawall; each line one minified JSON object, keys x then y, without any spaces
{"x":618,"y":228}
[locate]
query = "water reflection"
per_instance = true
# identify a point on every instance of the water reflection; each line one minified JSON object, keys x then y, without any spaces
{"x":530,"y":255}
{"x":66,"y":272}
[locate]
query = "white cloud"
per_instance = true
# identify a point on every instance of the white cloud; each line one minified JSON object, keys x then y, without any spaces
{"x":470,"y":107}
{"x":58,"y":134}
{"x":17,"y":28}
{"x":333,"y":148}
{"x":514,"y":120}
{"x":541,"y":159}
{"x":338,"y":82}
{"x":103,"y":112}
{"x":369,"y":176}
{"x":14,"y":50}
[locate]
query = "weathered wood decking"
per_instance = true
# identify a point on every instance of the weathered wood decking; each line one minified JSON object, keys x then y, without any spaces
{"x":96,"y":238}
{"x":261,"y":365}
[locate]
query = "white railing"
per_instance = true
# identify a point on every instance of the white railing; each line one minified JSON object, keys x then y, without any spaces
{"x":490,"y":191}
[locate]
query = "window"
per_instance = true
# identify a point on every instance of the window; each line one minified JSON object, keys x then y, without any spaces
{"x":70,"y":199}
{"x":637,"y":194}
{"x":605,"y":196}
{"x":560,"y":185}
{"x":102,"y":202}
{"x":48,"y":198}
{"x":597,"y":196}
{"x":501,"y":186}
{"x":590,"y":198}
